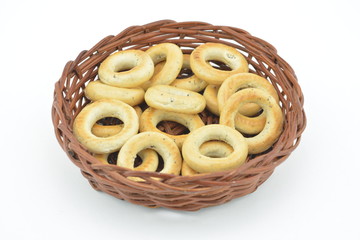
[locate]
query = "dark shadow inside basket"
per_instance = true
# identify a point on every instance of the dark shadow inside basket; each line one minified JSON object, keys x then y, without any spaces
{"x":178,"y":192}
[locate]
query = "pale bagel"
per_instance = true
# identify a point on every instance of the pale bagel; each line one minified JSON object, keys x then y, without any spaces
{"x":213,"y":149}
{"x":174,"y":99}
{"x":244,"y":121}
{"x":201,"y":163}
{"x":97,"y":110}
{"x":152,"y":117}
{"x":161,"y":143}
{"x":97,"y":90}
{"x":204,"y":53}
{"x":109,"y":130}
{"x":274,"y":117}
{"x":140,"y":65}
{"x":172,"y":55}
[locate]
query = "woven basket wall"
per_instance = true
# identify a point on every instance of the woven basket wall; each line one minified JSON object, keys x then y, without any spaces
{"x":188,"y":193}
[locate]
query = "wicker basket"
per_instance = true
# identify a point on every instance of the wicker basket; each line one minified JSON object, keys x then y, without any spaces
{"x":188,"y":193}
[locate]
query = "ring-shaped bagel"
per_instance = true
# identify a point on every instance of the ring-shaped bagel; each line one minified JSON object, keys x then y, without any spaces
{"x":241,"y":81}
{"x":192,"y":83}
{"x":109,"y":130}
{"x":211,"y":149}
{"x":204,"y":53}
{"x":161,"y":143}
{"x":151,"y":117}
{"x":174,"y":99}
{"x":97,"y":90}
{"x":139,"y":62}
{"x":201,"y":163}
{"x":173,"y":57}
{"x":97,"y":110}
{"x":274,"y":117}
{"x":210,"y":95}
{"x":244,"y":124}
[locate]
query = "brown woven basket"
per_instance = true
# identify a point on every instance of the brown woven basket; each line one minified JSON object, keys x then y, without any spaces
{"x":188,"y":193}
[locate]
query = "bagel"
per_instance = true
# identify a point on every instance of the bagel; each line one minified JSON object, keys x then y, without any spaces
{"x":245,"y":122}
{"x":97,"y":110}
{"x":174,"y":99}
{"x":201,"y":55}
{"x":139,"y":62}
{"x":274,"y":117}
{"x":152,"y":117}
{"x":97,"y":90}
{"x":216,"y":149}
{"x":240,"y":81}
{"x":109,"y":130}
{"x":203,"y":164}
{"x":159,"y":142}
{"x":172,"y":55}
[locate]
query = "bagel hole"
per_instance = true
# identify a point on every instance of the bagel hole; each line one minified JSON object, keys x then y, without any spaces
{"x":251,"y":115}
{"x":185,"y":73}
{"x":112,"y":158}
{"x":109,"y":121}
{"x":172,"y":128}
{"x":138,"y":161}
{"x":216,"y":152}
{"x":219,"y":65}
{"x":255,"y":115}
{"x":208,"y":118}
{"x":160,"y":165}
{"x":124,"y":67}
{"x":124,"y":70}
{"x":246,"y":135}
{"x":158,"y":67}
{"x":258,"y":113}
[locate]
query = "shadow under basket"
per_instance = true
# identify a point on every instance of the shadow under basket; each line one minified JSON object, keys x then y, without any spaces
{"x":189,"y":193}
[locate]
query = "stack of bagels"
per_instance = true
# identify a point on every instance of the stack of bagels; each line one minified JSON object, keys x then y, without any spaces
{"x":143,"y":88}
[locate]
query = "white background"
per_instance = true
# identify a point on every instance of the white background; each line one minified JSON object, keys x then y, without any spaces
{"x":312,"y":195}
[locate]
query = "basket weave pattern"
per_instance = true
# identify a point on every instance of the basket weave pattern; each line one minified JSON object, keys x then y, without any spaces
{"x":188,"y":193}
